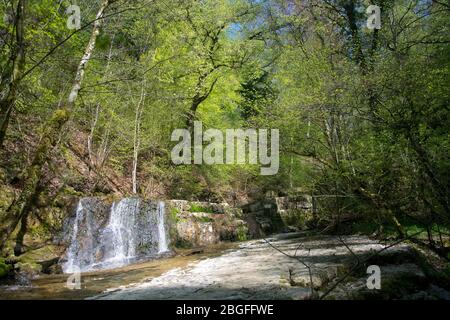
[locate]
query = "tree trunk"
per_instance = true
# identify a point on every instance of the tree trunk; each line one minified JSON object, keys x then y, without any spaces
{"x":18,"y":248}
{"x":13,"y":73}
{"x":90,"y":140}
{"x":137,"y":137}
{"x":49,"y":140}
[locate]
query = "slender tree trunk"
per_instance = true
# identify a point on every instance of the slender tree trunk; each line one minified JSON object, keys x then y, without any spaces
{"x":137,"y":137}
{"x":91,"y":135}
{"x":97,"y":112}
{"x":49,"y":140}
{"x":439,"y":188}
{"x":13,"y":72}
{"x":18,"y":249}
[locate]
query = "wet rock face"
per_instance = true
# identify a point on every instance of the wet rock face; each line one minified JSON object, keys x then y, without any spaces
{"x":89,"y":219}
{"x":101,"y":235}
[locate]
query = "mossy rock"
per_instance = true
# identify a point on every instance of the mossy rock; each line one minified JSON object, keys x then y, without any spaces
{"x":45,"y":257}
{"x":70,"y":191}
{"x":5,"y":269}
{"x":8,"y":250}
{"x":28,"y":268}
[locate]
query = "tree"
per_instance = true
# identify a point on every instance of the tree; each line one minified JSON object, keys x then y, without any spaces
{"x":49,"y":139}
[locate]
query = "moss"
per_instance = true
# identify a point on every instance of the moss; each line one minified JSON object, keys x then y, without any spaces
{"x":45,"y":253}
{"x":5,"y":268}
{"x":199,"y":208}
{"x":410,"y":227}
{"x":69,"y":191}
{"x":60,"y":116}
{"x":29,"y":267}
{"x":241,"y":233}
{"x":204,"y":219}
{"x":144,"y":248}
{"x":174,"y":212}
{"x":447,"y":271}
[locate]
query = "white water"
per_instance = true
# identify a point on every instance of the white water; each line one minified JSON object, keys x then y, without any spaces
{"x":162,"y":244}
{"x":69,"y":266}
{"x":121,"y":225}
{"x":134,"y":229}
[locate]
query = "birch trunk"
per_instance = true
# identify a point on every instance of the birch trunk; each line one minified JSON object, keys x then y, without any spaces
{"x":90,"y":139}
{"x":137,"y":138}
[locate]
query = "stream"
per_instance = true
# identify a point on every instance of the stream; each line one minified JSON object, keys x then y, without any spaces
{"x":265,"y":269}
{"x":48,"y":287}
{"x":256,"y":269}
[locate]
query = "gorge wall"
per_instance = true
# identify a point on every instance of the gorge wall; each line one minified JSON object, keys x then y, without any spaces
{"x":98,"y":233}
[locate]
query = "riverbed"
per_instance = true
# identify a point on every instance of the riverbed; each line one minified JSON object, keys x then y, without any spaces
{"x":48,"y":287}
{"x":287,"y":266}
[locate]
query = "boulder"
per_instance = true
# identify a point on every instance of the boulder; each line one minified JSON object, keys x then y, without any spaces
{"x":192,"y":233}
{"x":277,"y":215}
{"x":45,"y":257}
{"x":29,"y":270}
{"x":5,"y":269}
{"x":197,"y":223}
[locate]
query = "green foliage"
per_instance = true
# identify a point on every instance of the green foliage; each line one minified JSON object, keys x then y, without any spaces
{"x":363,"y":116}
{"x":241,"y":233}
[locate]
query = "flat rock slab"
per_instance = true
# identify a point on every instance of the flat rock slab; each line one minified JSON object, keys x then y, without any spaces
{"x":257,"y":270}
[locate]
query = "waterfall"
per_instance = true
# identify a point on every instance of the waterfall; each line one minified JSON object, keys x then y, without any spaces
{"x":121,"y":232}
{"x":69,"y":266}
{"x":161,"y":228}
{"x":104,"y":237}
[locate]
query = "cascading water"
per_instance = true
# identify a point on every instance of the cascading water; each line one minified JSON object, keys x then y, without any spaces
{"x":108,"y":237}
{"x":119,"y":235}
{"x":162,"y":229}
{"x":69,"y":267}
